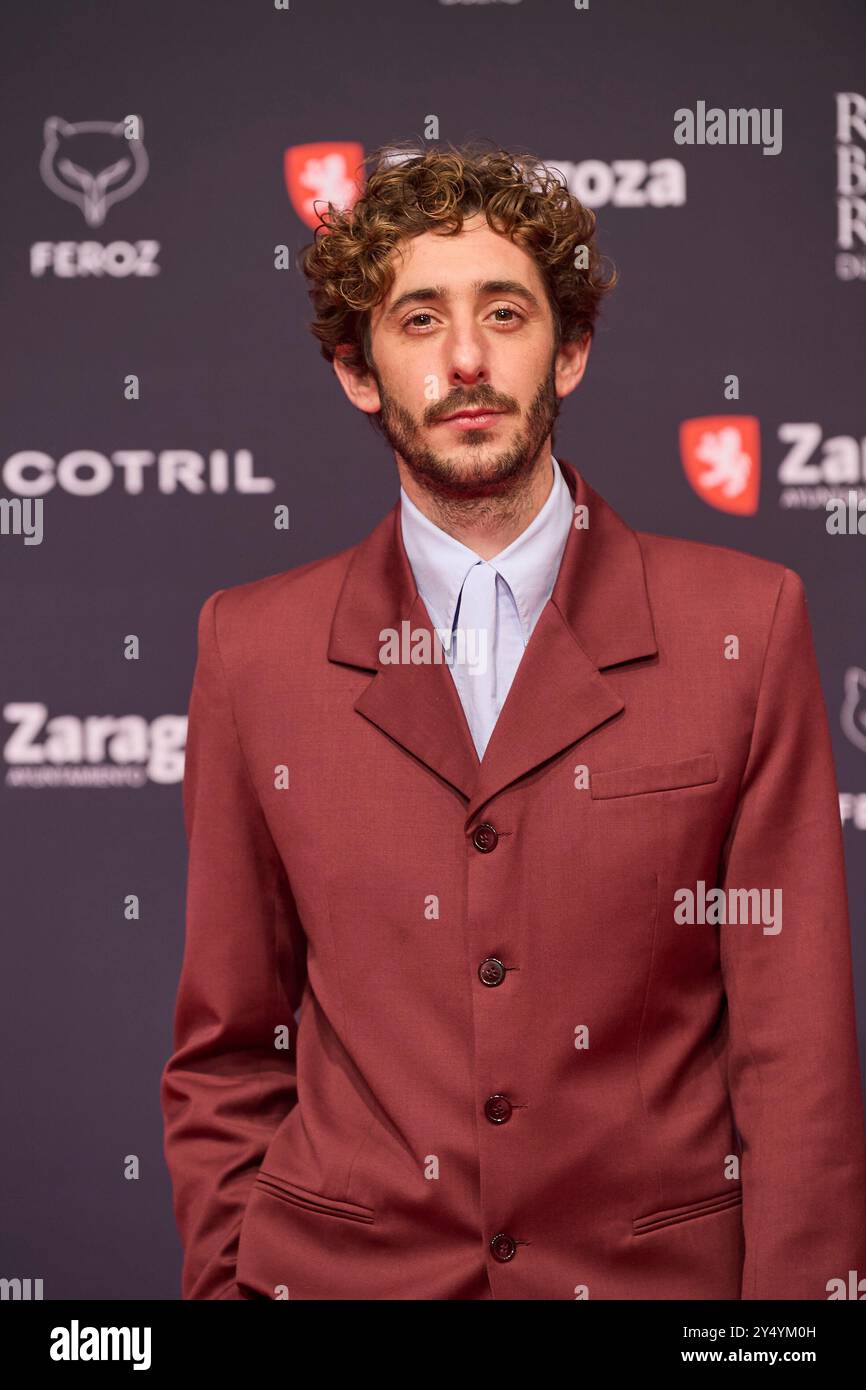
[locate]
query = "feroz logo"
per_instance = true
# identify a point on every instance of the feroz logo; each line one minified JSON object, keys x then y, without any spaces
{"x":92,"y":164}
{"x":853,"y":714}
{"x":852,"y":717}
{"x":326,"y":172}
{"x":721,"y":456}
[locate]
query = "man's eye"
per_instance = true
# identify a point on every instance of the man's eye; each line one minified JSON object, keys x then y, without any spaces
{"x":515,"y":316}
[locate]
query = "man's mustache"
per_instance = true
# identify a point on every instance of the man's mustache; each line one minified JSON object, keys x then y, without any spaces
{"x":456,"y":403}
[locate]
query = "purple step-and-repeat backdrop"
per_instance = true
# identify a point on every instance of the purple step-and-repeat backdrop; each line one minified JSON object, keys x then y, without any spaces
{"x":162,"y":395}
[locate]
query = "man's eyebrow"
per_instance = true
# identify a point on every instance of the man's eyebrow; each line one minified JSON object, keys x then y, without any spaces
{"x":514,"y":287}
{"x":438,"y":294}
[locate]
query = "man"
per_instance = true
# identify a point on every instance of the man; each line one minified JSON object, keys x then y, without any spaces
{"x":531,"y":818}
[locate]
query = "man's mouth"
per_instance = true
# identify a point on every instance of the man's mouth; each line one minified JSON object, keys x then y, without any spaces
{"x":472,"y":419}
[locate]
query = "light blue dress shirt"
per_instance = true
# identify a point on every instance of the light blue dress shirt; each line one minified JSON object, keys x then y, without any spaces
{"x":524,"y":574}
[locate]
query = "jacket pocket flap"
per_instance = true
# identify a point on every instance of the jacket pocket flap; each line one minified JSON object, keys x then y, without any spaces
{"x":658,"y":777}
{"x":675,"y":1215}
{"x":280,"y":1187}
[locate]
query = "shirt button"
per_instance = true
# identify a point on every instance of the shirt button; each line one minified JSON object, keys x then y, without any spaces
{"x":485,"y":837}
{"x":503,"y":1247}
{"x":491,"y":972}
{"x":497,"y":1109}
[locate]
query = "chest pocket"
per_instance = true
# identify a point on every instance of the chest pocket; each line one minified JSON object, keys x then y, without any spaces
{"x":654,"y":777}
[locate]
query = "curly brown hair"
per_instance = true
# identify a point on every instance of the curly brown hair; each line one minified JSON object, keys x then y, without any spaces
{"x":408,"y":192}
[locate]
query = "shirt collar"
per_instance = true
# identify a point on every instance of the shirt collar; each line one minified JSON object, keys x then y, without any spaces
{"x":529,"y":565}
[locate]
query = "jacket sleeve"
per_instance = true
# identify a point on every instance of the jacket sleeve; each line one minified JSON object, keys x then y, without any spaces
{"x":793,"y":1066}
{"x":227,"y":1086}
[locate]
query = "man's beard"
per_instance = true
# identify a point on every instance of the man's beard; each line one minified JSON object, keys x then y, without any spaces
{"x":452,"y":478}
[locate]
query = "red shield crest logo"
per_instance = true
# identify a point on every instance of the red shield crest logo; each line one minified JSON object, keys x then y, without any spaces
{"x":721,"y":457}
{"x":328,"y":172}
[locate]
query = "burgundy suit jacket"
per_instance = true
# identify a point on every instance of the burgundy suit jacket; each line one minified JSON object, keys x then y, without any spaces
{"x":516,"y":1074}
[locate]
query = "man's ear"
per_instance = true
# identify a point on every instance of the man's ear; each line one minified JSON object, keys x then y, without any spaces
{"x":570,"y":364}
{"x":359,"y":384}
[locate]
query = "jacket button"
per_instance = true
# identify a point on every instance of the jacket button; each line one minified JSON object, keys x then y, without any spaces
{"x":497,"y":1109}
{"x":502,"y":1247}
{"x":485,"y":837}
{"x":491,"y":971}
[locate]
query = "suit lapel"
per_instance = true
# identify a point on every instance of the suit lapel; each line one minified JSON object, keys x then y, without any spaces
{"x":598,"y":616}
{"x":417,"y":705}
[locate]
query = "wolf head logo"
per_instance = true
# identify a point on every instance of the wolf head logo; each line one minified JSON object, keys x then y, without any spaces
{"x":854,"y":706}
{"x":92,"y":164}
